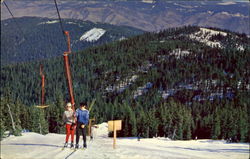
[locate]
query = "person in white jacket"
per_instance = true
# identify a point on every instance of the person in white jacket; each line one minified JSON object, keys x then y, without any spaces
{"x":69,"y":120}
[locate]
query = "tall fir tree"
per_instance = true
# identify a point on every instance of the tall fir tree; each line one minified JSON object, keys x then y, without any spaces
{"x":216,"y":126}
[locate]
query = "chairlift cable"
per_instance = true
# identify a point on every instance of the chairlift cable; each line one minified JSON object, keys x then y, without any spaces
{"x":13,"y":18}
{"x":60,"y":20}
{"x":66,"y":60}
{"x":58,"y":13}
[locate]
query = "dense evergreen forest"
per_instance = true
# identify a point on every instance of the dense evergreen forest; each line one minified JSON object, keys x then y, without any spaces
{"x":201,"y":92}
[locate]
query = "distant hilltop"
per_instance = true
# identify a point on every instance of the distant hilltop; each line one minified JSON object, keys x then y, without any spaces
{"x":39,"y":38}
{"x":147,"y":15}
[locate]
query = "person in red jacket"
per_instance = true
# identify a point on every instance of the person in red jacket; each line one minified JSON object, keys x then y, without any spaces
{"x":69,"y":120}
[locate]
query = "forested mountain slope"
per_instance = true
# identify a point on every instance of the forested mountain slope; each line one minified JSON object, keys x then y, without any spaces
{"x":31,"y":38}
{"x":181,"y":83}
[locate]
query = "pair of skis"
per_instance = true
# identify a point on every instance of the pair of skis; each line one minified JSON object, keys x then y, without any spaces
{"x":73,"y":148}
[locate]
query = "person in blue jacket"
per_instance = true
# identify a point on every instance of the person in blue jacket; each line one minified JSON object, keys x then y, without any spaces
{"x":82,"y":115}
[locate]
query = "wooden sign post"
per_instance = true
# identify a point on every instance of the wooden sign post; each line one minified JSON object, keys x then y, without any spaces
{"x":114,"y":125}
{"x":114,"y":139}
{"x":90,"y":125}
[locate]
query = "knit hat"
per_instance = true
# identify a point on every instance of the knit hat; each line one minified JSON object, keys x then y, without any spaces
{"x":69,"y":105}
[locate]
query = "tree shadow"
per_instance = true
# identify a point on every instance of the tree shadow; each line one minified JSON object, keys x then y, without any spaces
{"x":214,"y":150}
{"x":70,"y":154}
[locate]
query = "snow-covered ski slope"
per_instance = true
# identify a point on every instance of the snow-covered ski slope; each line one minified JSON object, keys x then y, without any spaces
{"x":36,"y":146}
{"x":93,"y":35}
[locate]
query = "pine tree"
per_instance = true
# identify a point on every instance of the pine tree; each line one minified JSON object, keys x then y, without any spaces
{"x":141,"y":123}
{"x":243,"y":126}
{"x":231,"y":124}
{"x":2,"y":119}
{"x":54,"y":115}
{"x":187,"y":122}
{"x":24,"y":116}
{"x":11,"y":114}
{"x":152,"y":122}
{"x":216,"y":127}
{"x":35,"y":123}
{"x":132,"y":122}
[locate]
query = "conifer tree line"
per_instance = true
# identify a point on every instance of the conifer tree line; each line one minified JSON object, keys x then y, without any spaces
{"x":149,"y":57}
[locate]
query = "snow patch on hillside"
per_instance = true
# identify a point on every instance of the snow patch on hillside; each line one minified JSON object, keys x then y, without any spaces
{"x":122,"y":38}
{"x":213,"y":32}
{"x":122,"y":85}
{"x":208,"y":85}
{"x":148,"y":1}
{"x":240,"y":47}
{"x":49,"y":22}
{"x":234,"y":15}
{"x":204,"y":36}
{"x":71,"y":23}
{"x":226,"y":3}
{"x":166,"y":93}
{"x":93,"y":35}
{"x":210,"y":12}
{"x":141,"y":90}
{"x":179,"y":53}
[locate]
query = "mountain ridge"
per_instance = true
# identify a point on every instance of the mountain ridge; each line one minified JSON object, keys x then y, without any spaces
{"x":37,"y":38}
{"x":146,"y":16}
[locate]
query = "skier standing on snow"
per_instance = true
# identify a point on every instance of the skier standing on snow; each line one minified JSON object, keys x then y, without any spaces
{"x":69,"y":120}
{"x":82,"y":115}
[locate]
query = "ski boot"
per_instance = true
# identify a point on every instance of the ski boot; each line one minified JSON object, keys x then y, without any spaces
{"x":72,"y":145}
{"x":77,"y":146}
{"x":84,"y":146}
{"x":65,"y":145}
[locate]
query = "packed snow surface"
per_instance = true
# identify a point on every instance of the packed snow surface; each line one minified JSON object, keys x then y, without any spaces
{"x":93,"y":35}
{"x":35,"y":146}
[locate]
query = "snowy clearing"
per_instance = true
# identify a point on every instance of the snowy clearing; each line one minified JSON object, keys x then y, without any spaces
{"x":93,"y":34}
{"x":36,"y":146}
{"x":141,"y":90}
{"x":71,"y":23}
{"x":234,"y":15}
{"x":50,"y":22}
{"x":204,"y":36}
{"x":148,"y":1}
{"x":226,"y":3}
{"x":179,"y":53}
{"x":122,"y":85}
